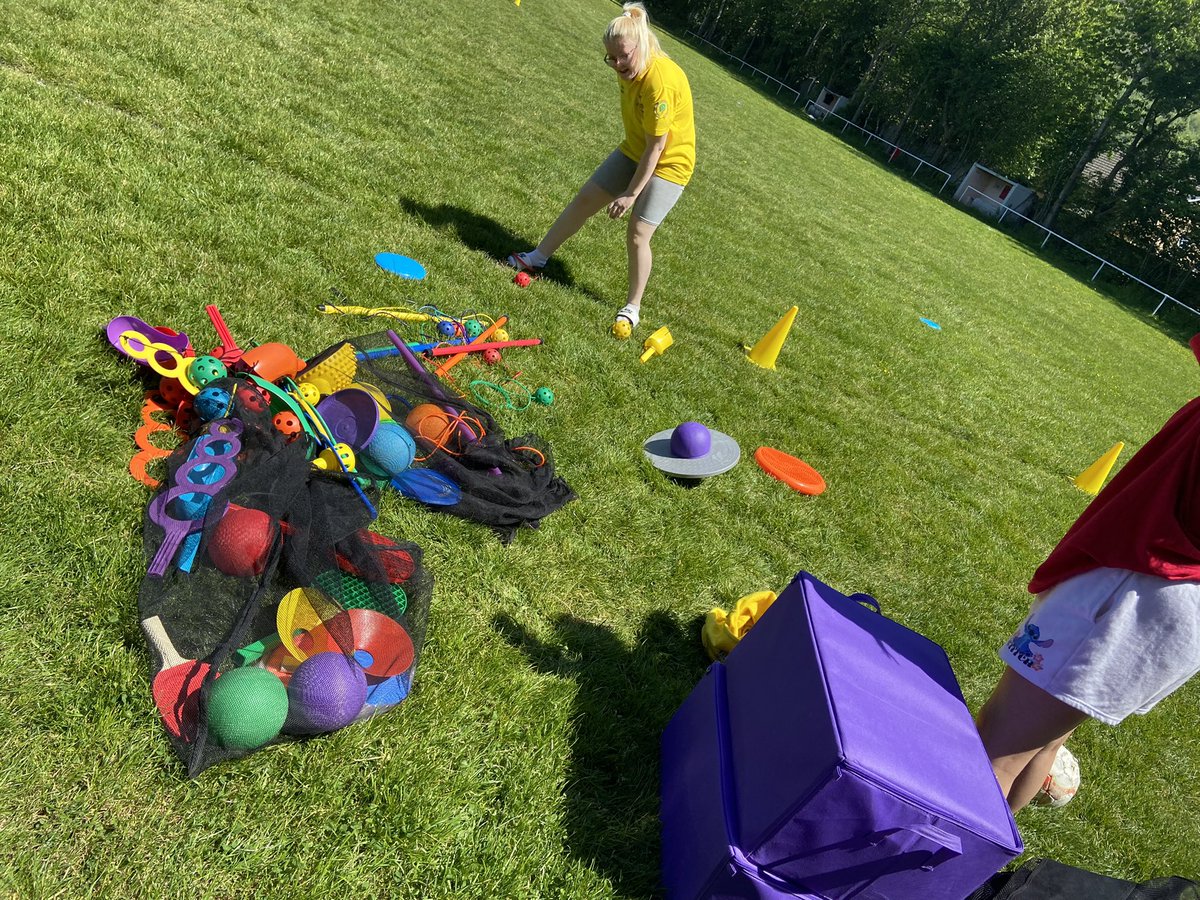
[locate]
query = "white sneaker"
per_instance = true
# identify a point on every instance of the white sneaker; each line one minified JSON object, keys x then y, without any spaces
{"x":631,"y":313}
{"x":519,"y":262}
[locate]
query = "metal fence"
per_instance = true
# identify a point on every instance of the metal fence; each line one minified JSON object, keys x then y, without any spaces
{"x":824,"y":111}
{"x":817,"y":110}
{"x":897,"y":150}
{"x":743,"y":65}
{"x":1104,"y":263}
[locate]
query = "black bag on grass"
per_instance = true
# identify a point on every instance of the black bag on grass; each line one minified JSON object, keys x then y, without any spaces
{"x":505,"y":483}
{"x":1045,"y":879}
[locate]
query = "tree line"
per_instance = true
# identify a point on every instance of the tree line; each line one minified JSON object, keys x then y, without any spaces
{"x":1034,"y":89}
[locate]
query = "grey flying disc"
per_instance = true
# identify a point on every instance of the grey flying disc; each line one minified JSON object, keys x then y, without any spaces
{"x":722,"y":456}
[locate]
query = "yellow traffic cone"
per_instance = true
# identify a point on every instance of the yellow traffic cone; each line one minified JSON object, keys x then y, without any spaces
{"x":1091,"y":479}
{"x":764,"y":352}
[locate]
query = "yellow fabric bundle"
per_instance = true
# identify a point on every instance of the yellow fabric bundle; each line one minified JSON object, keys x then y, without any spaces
{"x":723,"y":630}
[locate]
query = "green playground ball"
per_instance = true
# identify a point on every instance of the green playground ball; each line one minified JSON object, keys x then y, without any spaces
{"x":246,"y":708}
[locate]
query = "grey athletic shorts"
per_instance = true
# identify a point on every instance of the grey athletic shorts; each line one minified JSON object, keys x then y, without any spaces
{"x":654,"y":202}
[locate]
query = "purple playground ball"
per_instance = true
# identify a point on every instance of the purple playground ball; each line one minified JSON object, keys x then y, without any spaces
{"x":325,"y":693}
{"x":690,"y":440}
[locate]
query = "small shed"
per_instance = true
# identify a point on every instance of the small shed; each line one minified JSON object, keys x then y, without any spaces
{"x":991,"y":193}
{"x":825,"y":103}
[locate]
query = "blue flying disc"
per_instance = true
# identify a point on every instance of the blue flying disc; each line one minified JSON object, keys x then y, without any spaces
{"x":427,"y":486}
{"x":400,"y":265}
{"x":932,"y":324}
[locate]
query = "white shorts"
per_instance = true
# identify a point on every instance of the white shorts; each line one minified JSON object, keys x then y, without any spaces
{"x":1110,"y":642}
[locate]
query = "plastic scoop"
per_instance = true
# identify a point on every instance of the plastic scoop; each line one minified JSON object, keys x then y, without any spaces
{"x":657,"y":343}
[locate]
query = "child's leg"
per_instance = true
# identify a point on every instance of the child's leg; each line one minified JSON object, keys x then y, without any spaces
{"x":590,"y":200}
{"x":637,"y":242}
{"x":1022,"y":728}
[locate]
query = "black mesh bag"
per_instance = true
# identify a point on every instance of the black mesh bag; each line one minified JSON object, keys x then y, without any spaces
{"x":273,"y":613}
{"x":504,"y":483}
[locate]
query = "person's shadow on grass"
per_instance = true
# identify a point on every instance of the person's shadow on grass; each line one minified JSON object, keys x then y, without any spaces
{"x":489,"y":237}
{"x":625,"y":698}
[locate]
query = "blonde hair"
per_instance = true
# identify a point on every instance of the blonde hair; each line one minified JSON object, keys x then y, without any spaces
{"x":634,"y":24}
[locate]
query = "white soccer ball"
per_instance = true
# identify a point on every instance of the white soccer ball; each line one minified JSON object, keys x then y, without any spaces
{"x":1062,"y":783}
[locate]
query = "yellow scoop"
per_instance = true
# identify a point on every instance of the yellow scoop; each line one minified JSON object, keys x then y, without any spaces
{"x":657,"y":343}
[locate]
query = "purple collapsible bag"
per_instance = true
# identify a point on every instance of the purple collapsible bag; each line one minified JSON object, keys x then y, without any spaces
{"x":830,"y":756}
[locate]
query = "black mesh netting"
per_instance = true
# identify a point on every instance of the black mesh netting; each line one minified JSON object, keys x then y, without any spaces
{"x":505,"y":482}
{"x":272,"y":611}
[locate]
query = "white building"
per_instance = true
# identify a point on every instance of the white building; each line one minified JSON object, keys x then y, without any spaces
{"x":991,"y":193}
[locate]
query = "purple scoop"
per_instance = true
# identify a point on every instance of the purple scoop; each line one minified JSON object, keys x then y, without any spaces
{"x":175,"y":340}
{"x":352,"y":415}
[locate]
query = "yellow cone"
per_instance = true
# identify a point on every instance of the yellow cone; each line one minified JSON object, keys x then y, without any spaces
{"x":1092,"y":478}
{"x":764,"y":352}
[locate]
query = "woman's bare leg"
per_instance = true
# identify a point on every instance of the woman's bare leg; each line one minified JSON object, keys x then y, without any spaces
{"x":637,"y":241}
{"x":589,"y":201}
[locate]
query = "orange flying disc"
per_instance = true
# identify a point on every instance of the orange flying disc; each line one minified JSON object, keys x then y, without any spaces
{"x":793,"y":472}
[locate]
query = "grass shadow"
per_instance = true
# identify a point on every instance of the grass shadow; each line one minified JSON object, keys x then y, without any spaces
{"x":626,"y":695}
{"x":485,"y":235}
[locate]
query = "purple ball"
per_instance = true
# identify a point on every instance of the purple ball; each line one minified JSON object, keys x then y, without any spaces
{"x":326,"y":692}
{"x":690,"y":440}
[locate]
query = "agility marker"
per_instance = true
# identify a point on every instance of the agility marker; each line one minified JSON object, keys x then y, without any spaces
{"x":765,"y":351}
{"x":1091,"y":479}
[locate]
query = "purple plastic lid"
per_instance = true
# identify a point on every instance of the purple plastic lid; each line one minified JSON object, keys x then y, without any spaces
{"x":352,"y":415}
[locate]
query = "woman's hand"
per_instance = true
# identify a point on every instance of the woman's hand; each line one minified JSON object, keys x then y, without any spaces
{"x":621,"y":205}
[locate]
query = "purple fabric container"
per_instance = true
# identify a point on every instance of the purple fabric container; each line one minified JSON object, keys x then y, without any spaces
{"x":831,"y":756}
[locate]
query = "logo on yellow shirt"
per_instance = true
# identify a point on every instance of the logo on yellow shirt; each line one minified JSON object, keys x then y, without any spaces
{"x":660,"y":109}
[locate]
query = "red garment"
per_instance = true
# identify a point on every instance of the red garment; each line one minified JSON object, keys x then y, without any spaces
{"x":1147,"y":519}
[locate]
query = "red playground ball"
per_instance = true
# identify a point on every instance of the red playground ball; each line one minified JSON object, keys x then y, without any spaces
{"x":522,"y":279}
{"x":239,"y":544}
{"x":325,"y":693}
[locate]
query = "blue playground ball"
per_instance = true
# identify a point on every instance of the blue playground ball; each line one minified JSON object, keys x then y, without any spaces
{"x":211,"y":403}
{"x":392,"y":449}
{"x":690,"y":440}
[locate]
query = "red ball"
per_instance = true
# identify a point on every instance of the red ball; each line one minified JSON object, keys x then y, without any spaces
{"x":252,"y":399}
{"x":239,"y":544}
{"x":522,"y":279}
{"x":491,"y":356}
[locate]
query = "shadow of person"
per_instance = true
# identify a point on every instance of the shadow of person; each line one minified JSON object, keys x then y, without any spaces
{"x":489,"y":237}
{"x":626,"y":696}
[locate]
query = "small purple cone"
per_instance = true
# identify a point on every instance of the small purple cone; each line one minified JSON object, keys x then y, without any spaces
{"x":326,"y":692}
{"x":690,"y":440}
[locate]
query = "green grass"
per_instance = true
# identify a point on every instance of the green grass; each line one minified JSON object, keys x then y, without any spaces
{"x":158,"y":157}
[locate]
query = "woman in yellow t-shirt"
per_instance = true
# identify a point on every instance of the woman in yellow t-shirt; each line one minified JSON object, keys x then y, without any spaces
{"x":648,"y":171}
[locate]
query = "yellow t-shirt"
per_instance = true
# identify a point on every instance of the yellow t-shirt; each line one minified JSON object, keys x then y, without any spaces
{"x":660,"y":102}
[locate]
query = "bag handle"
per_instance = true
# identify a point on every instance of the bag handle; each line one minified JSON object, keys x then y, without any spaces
{"x":948,"y":845}
{"x":866,"y":600}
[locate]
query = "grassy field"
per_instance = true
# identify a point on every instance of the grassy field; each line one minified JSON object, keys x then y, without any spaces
{"x":158,"y":157}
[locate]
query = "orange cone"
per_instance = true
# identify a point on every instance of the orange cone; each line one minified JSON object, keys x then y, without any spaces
{"x":1091,"y":479}
{"x":765,"y":351}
